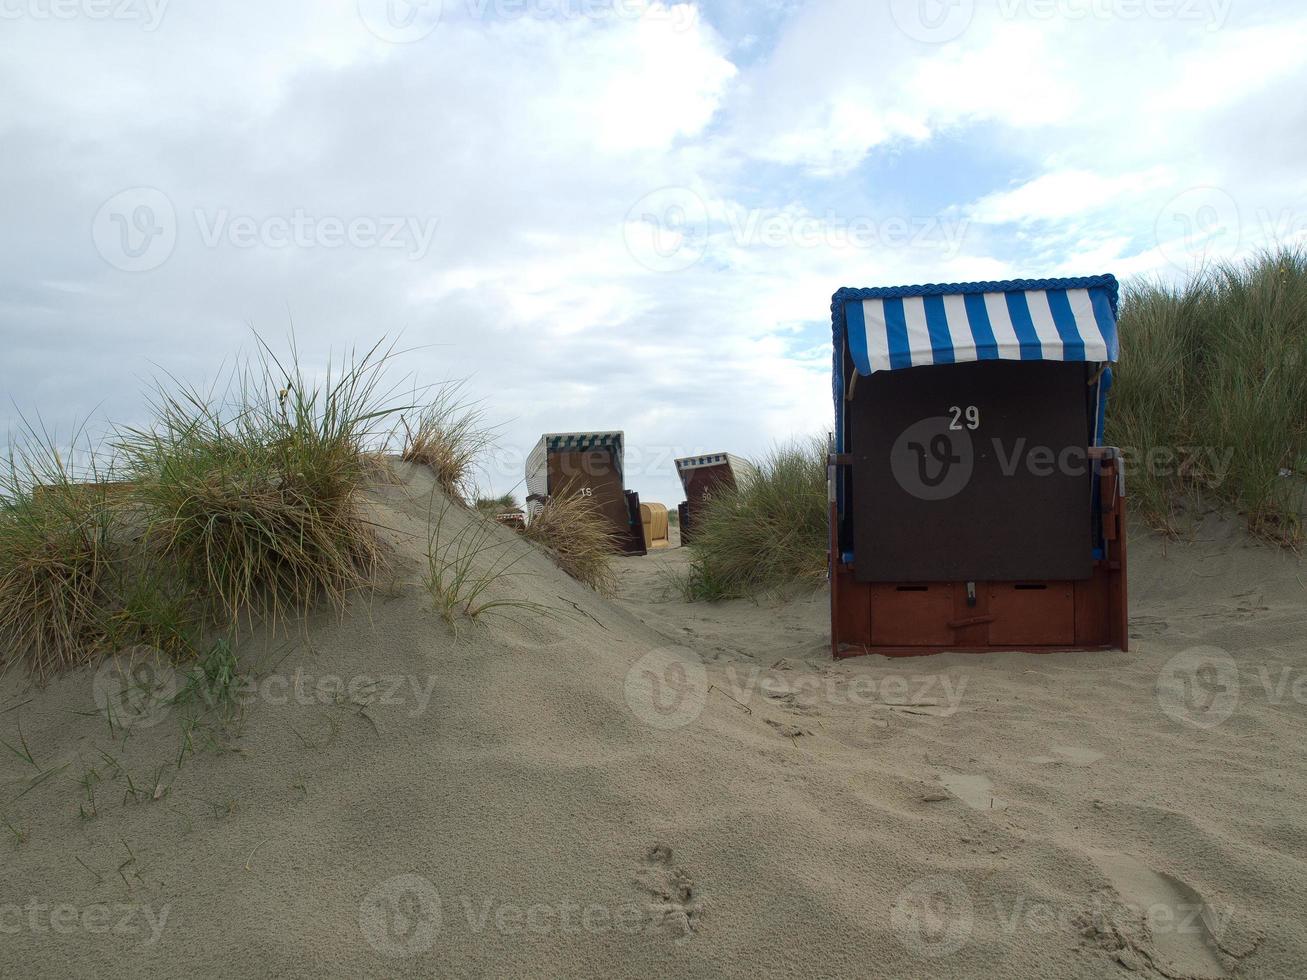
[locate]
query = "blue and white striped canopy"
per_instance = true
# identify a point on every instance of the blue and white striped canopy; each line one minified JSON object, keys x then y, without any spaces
{"x":1021,"y":320}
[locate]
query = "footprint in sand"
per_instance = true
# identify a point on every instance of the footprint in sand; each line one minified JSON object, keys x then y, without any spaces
{"x":789,"y":731}
{"x":1180,"y":934}
{"x":676,"y":903}
{"x":973,"y":789}
{"x":1068,"y":755}
{"x":1142,"y":627}
{"x":790,"y":701}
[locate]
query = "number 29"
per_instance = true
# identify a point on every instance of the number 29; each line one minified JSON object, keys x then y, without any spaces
{"x":970,"y":416}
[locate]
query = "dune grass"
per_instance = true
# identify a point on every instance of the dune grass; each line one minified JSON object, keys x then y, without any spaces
{"x":579,"y":539}
{"x":150,"y":607}
{"x":468,"y":566}
{"x":768,"y":533}
{"x":212,"y":681}
{"x":1210,"y":403}
{"x":238,"y":505}
{"x":253,"y":497}
{"x":243,"y":504}
{"x":503,"y":504}
{"x":56,"y":559}
{"x":449,"y":435}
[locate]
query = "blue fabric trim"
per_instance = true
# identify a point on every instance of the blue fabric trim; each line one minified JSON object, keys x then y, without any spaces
{"x":941,"y":341}
{"x":1073,"y":345}
{"x":1105,"y":314}
{"x":982,"y":331}
{"x":857,"y":333}
{"x":1107,"y":282}
{"x":1019,"y":309}
{"x":837,"y":385}
{"x":896,"y":332}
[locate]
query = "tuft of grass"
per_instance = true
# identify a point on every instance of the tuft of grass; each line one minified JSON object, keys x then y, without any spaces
{"x":150,"y":609}
{"x":465,"y":566}
{"x":1210,"y":403}
{"x":449,"y":435}
{"x":213,"y":682}
{"x":56,"y":559}
{"x":496,"y":505}
{"x":254,"y":497}
{"x":769,"y":532}
{"x":579,"y":539}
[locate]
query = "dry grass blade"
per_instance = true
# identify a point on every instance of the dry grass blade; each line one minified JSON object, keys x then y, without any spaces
{"x":55,"y":558}
{"x":255,"y":497}
{"x":466,"y":565}
{"x":449,"y":436}
{"x":578,"y":537}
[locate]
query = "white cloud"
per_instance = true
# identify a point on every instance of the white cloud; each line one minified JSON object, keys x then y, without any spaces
{"x":529,"y":140}
{"x":1064,"y":194}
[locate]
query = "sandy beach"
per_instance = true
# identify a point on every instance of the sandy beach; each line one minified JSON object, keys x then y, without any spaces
{"x":636,"y":787}
{"x":358,"y":358}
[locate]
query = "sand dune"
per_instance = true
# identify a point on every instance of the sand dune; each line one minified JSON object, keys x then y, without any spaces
{"x":641,"y":787}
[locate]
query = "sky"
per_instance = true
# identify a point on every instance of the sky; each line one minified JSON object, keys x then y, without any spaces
{"x":602,"y":214}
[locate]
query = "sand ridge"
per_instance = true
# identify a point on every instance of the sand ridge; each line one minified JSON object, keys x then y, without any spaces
{"x":639,"y":786}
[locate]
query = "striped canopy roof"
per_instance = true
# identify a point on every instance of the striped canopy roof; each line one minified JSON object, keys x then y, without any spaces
{"x":741,"y":468}
{"x":537,"y":461}
{"x":581,"y":440}
{"x":1020,"y":320}
{"x":697,"y":462}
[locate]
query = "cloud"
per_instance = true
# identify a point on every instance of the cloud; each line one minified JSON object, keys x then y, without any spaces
{"x":1054,"y":197}
{"x":609,"y":218}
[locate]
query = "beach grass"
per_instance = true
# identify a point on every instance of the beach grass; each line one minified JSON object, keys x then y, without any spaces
{"x":578,"y":537}
{"x":232,"y":505}
{"x":768,"y":532}
{"x":253,"y":497}
{"x":468,"y":565}
{"x":56,"y":557}
{"x":503,"y":504}
{"x":449,"y":435}
{"x":1210,"y":403}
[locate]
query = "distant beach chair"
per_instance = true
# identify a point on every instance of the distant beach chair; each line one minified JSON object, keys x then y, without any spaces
{"x":701,"y":477}
{"x":653,"y":518}
{"x":587,"y":464}
{"x":513,"y":518}
{"x":972,"y":503}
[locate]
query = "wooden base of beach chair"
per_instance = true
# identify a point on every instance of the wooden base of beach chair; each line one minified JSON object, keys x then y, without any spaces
{"x":915,"y":618}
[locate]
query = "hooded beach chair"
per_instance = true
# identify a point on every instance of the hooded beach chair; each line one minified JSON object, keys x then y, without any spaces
{"x":587,"y":464}
{"x":701,"y":477}
{"x":653,"y":518}
{"x":972,"y":503}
